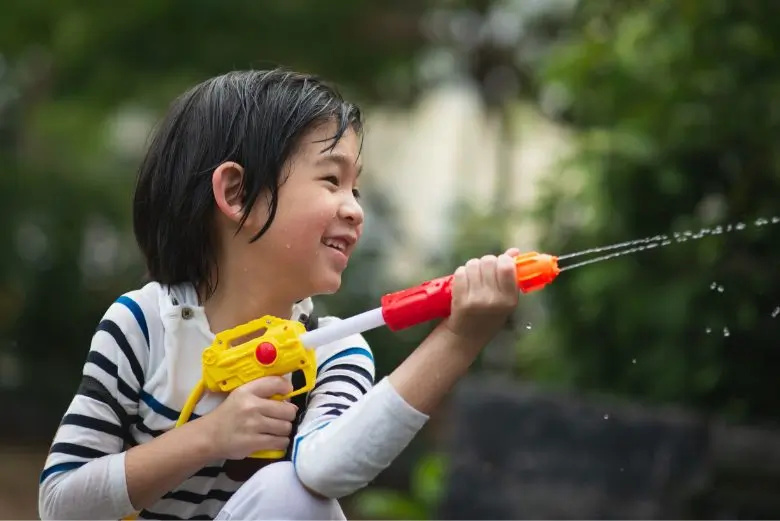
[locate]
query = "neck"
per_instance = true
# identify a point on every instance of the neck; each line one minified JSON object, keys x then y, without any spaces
{"x":235,"y":302}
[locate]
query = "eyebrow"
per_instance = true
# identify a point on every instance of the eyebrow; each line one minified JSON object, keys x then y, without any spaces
{"x":342,"y":161}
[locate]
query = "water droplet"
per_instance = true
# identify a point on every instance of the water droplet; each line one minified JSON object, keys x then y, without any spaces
{"x":726,"y":332}
{"x":740,"y":226}
{"x":713,"y":285}
{"x":776,"y":312}
{"x":708,"y":330}
{"x":761,"y":221}
{"x":528,"y":326}
{"x":775,"y":220}
{"x":720,"y":289}
{"x":633,"y":361}
{"x":606,"y":416}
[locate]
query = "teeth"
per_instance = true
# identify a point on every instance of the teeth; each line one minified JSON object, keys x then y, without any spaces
{"x":335,"y":243}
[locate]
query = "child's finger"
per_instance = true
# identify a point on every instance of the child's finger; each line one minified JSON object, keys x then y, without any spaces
{"x":513,"y":252}
{"x":460,"y":283}
{"x":506,"y":274}
{"x":487,"y":266}
{"x":473,"y":273}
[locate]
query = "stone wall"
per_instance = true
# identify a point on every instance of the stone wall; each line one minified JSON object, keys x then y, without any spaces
{"x":521,"y":453}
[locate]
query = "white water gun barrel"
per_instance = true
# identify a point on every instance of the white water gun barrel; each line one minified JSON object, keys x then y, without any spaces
{"x":343,"y":328}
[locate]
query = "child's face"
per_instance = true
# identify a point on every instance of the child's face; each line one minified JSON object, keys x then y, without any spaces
{"x":318,"y":220}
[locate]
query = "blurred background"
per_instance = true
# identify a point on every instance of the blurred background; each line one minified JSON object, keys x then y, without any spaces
{"x":645,"y":386}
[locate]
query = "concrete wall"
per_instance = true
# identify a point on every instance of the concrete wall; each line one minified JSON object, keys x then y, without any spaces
{"x":518,"y":452}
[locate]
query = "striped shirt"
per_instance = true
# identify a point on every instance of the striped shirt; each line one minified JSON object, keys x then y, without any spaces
{"x":145,"y":358}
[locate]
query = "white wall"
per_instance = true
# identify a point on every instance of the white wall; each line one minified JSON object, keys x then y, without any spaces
{"x":444,"y":149}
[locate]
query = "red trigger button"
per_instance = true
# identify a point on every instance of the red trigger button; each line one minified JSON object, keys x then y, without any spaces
{"x":265,"y":353}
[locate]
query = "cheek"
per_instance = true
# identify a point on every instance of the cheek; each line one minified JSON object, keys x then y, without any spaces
{"x":359,"y":230}
{"x":300,"y":229}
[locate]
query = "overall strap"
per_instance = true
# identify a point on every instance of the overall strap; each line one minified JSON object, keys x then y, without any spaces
{"x":311,"y":323}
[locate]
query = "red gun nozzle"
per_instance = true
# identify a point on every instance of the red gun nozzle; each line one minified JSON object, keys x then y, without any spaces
{"x":432,"y":299}
{"x":535,"y":270}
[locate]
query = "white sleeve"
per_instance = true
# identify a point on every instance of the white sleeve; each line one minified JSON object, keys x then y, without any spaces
{"x":96,"y":490}
{"x":84,"y":473}
{"x":351,"y":430}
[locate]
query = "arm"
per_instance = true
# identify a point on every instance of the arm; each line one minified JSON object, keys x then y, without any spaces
{"x":119,"y":484}
{"x":431,"y":371}
{"x":87,"y":474}
{"x":373,"y":425}
{"x":83,"y":475}
{"x":159,"y":466}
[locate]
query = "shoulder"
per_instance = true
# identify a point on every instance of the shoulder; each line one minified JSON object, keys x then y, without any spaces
{"x":353,"y":349}
{"x":135,"y":314}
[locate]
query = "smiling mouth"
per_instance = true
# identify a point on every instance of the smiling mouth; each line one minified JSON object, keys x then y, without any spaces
{"x":337,"y":244}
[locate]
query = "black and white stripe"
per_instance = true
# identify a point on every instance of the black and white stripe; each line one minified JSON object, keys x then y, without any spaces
{"x":131,"y":392}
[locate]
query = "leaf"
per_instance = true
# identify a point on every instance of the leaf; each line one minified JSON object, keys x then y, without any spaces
{"x":427,"y":480}
{"x":386,"y":504}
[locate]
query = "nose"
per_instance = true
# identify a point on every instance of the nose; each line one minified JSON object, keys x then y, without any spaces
{"x":351,"y":211}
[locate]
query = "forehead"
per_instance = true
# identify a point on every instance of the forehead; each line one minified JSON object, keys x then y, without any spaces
{"x":317,"y":146}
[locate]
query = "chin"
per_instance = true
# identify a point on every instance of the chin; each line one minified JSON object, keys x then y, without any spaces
{"x":328,"y":285}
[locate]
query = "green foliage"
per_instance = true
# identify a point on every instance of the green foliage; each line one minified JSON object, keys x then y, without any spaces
{"x":678,"y":130}
{"x":421,"y":502}
{"x":476,"y":233}
{"x":68,"y":70}
{"x":107,"y":53}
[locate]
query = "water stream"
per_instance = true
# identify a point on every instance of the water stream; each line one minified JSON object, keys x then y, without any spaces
{"x":657,"y":241}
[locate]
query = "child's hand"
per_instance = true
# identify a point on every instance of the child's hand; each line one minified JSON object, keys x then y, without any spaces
{"x":484,"y":295}
{"x":249,"y":421}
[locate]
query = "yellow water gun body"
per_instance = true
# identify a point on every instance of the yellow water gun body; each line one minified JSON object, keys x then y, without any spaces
{"x":277,"y":351}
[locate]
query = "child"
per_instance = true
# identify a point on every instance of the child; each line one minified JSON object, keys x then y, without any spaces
{"x":247,"y":205}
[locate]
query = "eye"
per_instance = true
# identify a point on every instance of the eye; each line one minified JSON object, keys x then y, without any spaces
{"x":356,"y":193}
{"x":332,"y":179}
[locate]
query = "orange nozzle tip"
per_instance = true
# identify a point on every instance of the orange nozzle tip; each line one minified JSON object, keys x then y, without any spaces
{"x":547,"y":264}
{"x":538,"y":259}
{"x":535,"y":270}
{"x":552,"y":262}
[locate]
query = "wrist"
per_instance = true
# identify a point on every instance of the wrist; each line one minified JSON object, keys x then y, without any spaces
{"x":464,"y":346}
{"x":464,"y":342}
{"x":203,"y":439}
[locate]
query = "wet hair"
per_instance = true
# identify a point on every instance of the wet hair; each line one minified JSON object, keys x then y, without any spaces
{"x":253,"y":118}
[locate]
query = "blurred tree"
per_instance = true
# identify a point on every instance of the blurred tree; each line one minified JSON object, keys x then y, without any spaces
{"x":79,"y":86}
{"x":109,"y":54}
{"x":63,"y":261}
{"x":676,"y":106}
{"x":494,"y":46}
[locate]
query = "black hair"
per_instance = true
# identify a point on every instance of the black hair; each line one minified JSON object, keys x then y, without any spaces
{"x":254,"y":118}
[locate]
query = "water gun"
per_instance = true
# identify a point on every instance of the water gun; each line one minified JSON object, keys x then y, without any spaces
{"x":273,"y":346}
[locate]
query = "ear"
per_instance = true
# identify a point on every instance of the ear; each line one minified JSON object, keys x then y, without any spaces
{"x":227,"y":183}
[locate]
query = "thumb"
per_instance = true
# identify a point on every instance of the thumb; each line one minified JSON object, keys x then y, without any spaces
{"x":268,"y":386}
